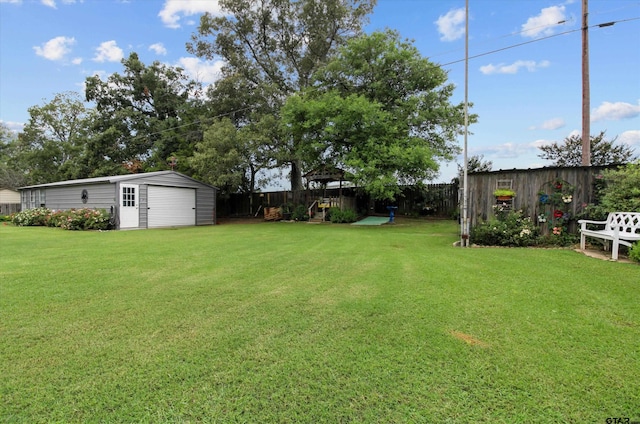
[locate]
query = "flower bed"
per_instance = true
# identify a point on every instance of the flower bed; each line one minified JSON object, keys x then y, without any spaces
{"x":73,"y":219}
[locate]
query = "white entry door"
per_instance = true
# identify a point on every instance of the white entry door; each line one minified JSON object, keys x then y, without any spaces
{"x":129,"y":208}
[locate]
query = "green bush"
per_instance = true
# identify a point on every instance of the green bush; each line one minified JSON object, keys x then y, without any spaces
{"x":622,"y":190}
{"x":300,"y":213}
{"x":508,"y":229}
{"x":634,"y":252}
{"x":338,"y":216}
{"x":74,"y":219}
{"x":31,"y":217}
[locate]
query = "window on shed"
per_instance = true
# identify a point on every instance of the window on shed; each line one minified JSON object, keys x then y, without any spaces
{"x":43,"y":199}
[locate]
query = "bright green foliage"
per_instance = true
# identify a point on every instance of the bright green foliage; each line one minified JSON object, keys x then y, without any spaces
{"x":52,"y":144}
{"x":271,"y":48}
{"x":622,"y":191}
{"x":73,"y":219}
{"x":379,"y":111}
{"x":145,"y":115}
{"x":603,"y":152}
{"x":634,"y":252}
{"x":231,"y":158}
{"x":508,"y":228}
{"x":338,"y":216}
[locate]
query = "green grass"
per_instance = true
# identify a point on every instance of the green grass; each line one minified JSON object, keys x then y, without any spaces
{"x":289,"y":323}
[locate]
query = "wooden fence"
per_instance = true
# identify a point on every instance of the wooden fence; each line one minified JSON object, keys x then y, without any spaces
{"x":528,"y":185}
{"x":439,"y":200}
{"x":9,"y":208}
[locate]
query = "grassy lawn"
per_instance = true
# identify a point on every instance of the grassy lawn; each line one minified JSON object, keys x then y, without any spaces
{"x":288,"y":323}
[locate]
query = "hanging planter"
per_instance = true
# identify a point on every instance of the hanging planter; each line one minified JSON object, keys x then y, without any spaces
{"x":504,"y":194}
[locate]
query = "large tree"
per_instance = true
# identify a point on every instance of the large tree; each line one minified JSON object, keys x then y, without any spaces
{"x":380,"y":111}
{"x":52,"y":144}
{"x":273,"y":47}
{"x":603,"y":152}
{"x":145,"y":116}
{"x":10,"y":174}
{"x":232,"y":158}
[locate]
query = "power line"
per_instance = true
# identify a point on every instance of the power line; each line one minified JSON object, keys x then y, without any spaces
{"x":539,"y":39}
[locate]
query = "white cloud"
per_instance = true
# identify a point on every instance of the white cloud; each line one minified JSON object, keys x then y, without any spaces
{"x":158,"y":48}
{"x":206,"y":72}
{"x":544,"y":23}
{"x":529,"y":65}
{"x":56,"y":48}
{"x":451,"y":25}
{"x":630,"y":137}
{"x":108,"y":52}
{"x":11,"y":1}
{"x":49,"y":3}
{"x":550,"y":124}
{"x":14,"y":127}
{"x":174,"y":9}
{"x":608,"y":111}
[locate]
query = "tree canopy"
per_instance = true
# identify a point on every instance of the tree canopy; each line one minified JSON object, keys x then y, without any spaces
{"x":273,"y":47}
{"x":51,"y":145}
{"x":603,"y":151}
{"x":145,"y":116}
{"x":378,"y":110}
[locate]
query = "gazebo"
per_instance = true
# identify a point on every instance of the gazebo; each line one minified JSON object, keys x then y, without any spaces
{"x":325,"y":175}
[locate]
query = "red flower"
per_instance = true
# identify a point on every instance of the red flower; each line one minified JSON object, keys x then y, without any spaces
{"x":557,"y":214}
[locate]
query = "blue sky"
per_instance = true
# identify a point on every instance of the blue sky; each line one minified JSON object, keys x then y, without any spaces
{"x":526,"y":89}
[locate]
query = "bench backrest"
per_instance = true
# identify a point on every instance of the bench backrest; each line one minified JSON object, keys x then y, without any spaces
{"x":628,"y":222}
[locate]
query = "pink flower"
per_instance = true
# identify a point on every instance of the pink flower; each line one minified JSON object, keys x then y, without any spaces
{"x":557,"y":230}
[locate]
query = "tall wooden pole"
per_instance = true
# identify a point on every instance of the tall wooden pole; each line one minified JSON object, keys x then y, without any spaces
{"x":586,"y":95}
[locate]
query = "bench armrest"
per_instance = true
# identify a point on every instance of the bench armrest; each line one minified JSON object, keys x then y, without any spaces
{"x":586,"y":221}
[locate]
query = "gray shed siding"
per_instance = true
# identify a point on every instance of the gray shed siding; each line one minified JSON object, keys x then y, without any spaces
{"x":205,"y":206}
{"x":101,"y":196}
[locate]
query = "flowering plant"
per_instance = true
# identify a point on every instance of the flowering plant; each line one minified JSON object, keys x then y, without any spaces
{"x":74,"y":219}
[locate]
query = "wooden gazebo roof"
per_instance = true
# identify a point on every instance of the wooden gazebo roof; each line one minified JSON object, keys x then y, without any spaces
{"x":325,"y":174}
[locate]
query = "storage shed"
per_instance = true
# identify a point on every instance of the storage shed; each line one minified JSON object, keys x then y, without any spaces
{"x":149,"y":200}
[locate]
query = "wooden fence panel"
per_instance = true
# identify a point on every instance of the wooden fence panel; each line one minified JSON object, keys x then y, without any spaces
{"x":9,"y":208}
{"x":527,"y":184}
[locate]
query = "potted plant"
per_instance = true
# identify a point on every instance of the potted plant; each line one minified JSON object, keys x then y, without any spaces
{"x":287,"y":211}
{"x":504,"y":194}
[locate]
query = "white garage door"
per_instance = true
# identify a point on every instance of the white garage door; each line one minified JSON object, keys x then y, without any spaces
{"x":171,"y":206}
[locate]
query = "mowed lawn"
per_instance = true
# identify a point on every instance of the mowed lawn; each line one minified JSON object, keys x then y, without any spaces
{"x":299,"y":323}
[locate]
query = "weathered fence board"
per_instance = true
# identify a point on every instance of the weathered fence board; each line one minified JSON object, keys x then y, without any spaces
{"x":9,"y":208}
{"x":527,"y":184}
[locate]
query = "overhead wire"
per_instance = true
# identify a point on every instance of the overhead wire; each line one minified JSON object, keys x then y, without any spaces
{"x":601,"y":25}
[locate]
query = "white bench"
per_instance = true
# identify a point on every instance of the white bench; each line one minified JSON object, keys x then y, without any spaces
{"x":620,"y":228}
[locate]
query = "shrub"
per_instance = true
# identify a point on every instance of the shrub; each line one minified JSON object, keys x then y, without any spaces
{"x":74,"y":219}
{"x":31,"y":217}
{"x":300,"y":213}
{"x":634,"y":252}
{"x":622,"y":190}
{"x":85,"y":219}
{"x":338,"y":216}
{"x":509,"y":229}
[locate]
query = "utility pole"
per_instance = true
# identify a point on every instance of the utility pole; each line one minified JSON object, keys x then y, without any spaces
{"x":464,"y":230}
{"x":586,"y":96}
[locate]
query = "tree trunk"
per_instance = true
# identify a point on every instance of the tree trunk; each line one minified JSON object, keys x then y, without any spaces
{"x":296,"y":180}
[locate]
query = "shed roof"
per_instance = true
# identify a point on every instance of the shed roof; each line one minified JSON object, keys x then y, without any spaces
{"x":112,"y":179}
